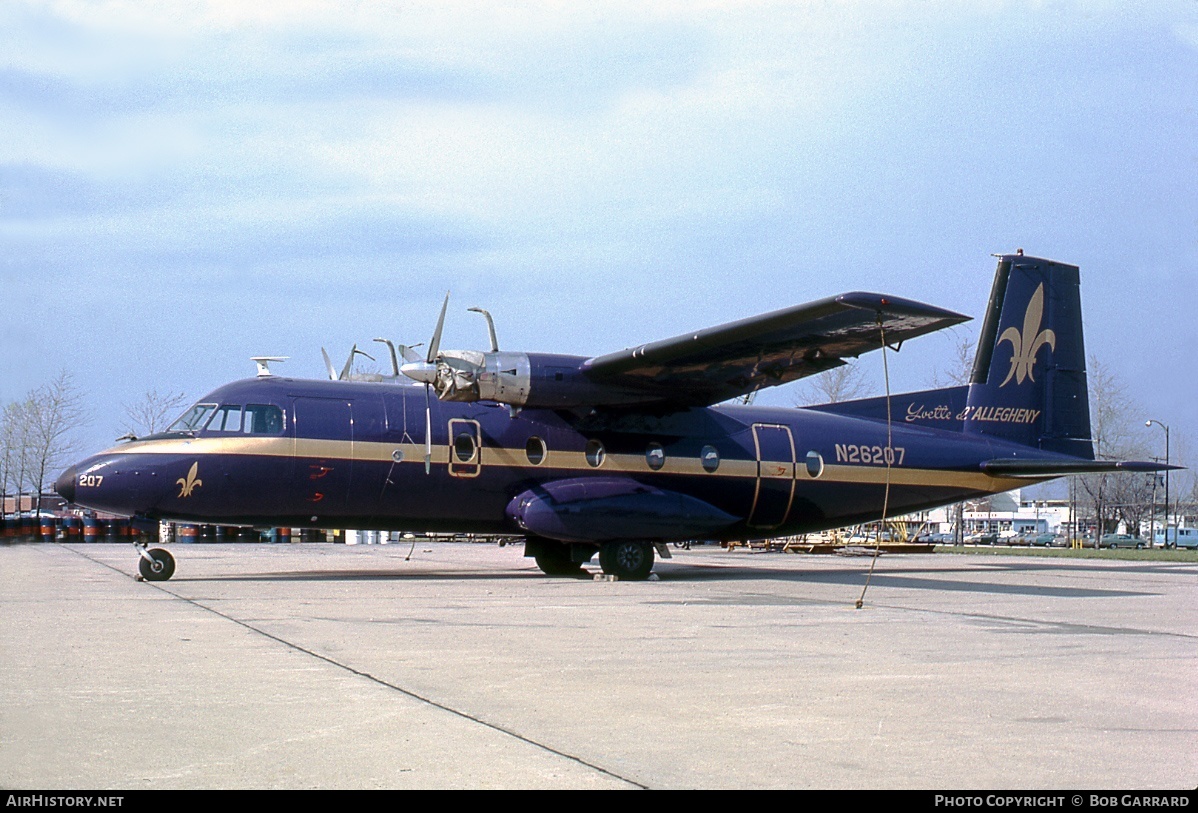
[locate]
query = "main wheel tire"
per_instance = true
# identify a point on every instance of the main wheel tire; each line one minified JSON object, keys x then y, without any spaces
{"x":160,"y":569}
{"x":628,"y":560}
{"x":555,"y":560}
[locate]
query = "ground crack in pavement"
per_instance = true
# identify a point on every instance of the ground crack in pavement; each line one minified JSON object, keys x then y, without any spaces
{"x":379,"y":681}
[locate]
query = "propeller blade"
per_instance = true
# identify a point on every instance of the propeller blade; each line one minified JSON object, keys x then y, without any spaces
{"x":328,"y":364}
{"x":435,"y":344}
{"x":490,"y":327}
{"x":348,"y":364}
{"x":408,"y":351}
{"x":394,"y":360}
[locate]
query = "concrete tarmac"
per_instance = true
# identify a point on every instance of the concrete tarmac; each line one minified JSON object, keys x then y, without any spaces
{"x":327,"y":666}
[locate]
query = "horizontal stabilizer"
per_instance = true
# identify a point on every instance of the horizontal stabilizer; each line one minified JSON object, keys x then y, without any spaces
{"x":1012,"y":467}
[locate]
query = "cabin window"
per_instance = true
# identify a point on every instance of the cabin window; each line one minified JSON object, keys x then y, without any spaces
{"x":655,"y":456}
{"x":709,"y":456}
{"x":595,"y":453}
{"x":815,"y":464}
{"x":535,"y":450}
{"x":194,"y":419}
{"x":226,"y":419}
{"x":263,"y":419}
{"x":464,"y":447}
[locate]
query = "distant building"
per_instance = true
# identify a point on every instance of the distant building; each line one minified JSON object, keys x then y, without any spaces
{"x":1005,"y":514}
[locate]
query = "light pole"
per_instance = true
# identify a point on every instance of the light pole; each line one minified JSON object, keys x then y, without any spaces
{"x":1152,"y":511}
{"x":1150,"y":422}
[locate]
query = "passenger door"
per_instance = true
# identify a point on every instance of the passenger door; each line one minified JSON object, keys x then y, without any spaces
{"x":324,"y":454}
{"x":775,"y":475}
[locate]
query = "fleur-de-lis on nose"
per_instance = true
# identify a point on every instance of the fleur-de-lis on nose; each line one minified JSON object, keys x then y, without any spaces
{"x":1025,"y":345}
{"x":189,"y":484}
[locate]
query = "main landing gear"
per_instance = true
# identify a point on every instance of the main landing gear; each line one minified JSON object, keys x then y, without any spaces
{"x":627,"y":560}
{"x":155,"y":564}
{"x":556,"y":559}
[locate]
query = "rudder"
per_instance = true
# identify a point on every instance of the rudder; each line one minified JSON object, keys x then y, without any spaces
{"x":1029,"y":377}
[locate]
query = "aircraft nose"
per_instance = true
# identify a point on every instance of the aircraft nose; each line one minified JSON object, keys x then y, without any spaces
{"x":65,"y":485}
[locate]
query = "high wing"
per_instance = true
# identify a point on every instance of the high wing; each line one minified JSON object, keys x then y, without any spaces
{"x":713,"y":365}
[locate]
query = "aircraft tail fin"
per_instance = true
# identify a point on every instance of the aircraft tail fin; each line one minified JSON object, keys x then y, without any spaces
{"x":1029,"y":376}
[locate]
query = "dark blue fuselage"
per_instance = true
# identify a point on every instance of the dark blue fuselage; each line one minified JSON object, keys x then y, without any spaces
{"x":353,"y":455}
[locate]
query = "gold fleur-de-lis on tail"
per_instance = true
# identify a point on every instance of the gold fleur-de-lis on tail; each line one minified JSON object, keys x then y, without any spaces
{"x":1025,"y":345}
{"x":191,"y":482}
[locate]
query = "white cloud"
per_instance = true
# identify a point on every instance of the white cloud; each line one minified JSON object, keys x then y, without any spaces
{"x":719,"y":152}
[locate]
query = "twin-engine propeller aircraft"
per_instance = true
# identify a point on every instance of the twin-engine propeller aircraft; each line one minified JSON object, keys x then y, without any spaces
{"x":623,"y":453}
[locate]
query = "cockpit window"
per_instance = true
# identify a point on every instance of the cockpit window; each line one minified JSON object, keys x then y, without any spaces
{"x":226,"y":419}
{"x":193,"y":419}
{"x":263,"y":419}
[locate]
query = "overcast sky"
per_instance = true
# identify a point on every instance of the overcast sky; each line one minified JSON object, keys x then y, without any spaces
{"x":185,"y":185}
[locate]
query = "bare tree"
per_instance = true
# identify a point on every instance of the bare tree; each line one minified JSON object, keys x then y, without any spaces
{"x":1184,"y":481}
{"x":14,"y":451}
{"x":843,"y":383}
{"x":1113,"y":426}
{"x":960,"y":366}
{"x":55,"y":413}
{"x":957,"y":373}
{"x":153,"y":412}
{"x":1130,"y":499}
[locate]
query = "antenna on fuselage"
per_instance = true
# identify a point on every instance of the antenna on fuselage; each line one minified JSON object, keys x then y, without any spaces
{"x":263,"y":363}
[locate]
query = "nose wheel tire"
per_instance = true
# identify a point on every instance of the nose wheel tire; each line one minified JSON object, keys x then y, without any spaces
{"x":627,"y":560}
{"x":159,"y":567}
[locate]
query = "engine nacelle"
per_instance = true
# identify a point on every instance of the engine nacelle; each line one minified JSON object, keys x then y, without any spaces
{"x":537,"y":380}
{"x":467,"y":375}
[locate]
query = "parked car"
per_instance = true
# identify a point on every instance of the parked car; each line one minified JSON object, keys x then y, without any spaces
{"x":1122,"y":541}
{"x":981,"y":539}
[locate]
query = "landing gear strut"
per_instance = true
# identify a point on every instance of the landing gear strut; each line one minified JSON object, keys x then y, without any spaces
{"x":627,"y":560}
{"x":155,"y":564}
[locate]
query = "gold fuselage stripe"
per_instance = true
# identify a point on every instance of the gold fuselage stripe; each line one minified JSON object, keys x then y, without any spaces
{"x":558,"y":460}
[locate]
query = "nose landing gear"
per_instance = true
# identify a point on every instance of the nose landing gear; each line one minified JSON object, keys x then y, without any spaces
{"x":155,"y":564}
